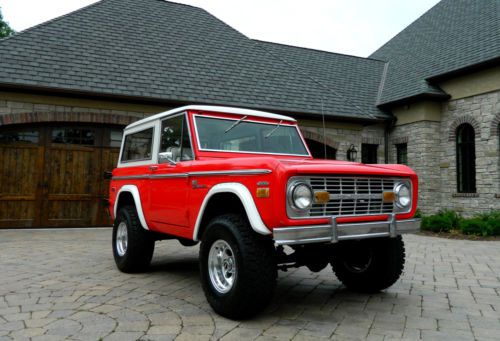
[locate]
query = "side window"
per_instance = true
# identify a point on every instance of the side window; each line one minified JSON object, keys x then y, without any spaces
{"x":138,"y":146}
{"x":466,"y":159}
{"x":115,"y":138}
{"x":175,"y":140}
{"x":402,"y":153}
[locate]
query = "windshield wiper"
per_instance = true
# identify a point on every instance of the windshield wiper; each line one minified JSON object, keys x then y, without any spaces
{"x":272,"y":131}
{"x":235,"y":124}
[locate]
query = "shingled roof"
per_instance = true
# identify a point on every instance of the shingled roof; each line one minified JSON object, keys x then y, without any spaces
{"x":351,"y":77}
{"x":454,"y":34}
{"x":158,"y":50}
{"x":168,"y":52}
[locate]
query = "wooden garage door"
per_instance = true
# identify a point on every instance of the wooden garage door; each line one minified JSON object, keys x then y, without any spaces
{"x":52,"y":176}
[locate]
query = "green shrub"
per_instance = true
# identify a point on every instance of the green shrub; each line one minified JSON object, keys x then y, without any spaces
{"x":437,"y":223}
{"x":418,"y":214}
{"x":487,"y":224}
{"x":492,"y":220}
{"x":453,"y":216}
{"x":475,"y":226}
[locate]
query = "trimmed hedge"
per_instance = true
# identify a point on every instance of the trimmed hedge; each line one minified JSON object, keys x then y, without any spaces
{"x":487,"y":224}
{"x":437,"y":223}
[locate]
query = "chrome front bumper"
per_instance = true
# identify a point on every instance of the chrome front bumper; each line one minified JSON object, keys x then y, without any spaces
{"x":335,"y":232}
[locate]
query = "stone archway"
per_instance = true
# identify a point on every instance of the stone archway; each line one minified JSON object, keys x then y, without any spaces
{"x":461,"y":120}
{"x":495,"y":126}
{"x":316,"y":144}
{"x":67,"y":116}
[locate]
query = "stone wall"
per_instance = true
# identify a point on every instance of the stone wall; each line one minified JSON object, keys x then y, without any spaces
{"x":422,"y":139}
{"x":481,"y":112}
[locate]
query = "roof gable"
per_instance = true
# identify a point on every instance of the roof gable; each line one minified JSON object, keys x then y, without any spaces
{"x":452,"y":35}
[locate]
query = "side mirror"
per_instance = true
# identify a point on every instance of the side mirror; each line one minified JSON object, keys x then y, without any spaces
{"x":107,"y":175}
{"x":166,"y":157}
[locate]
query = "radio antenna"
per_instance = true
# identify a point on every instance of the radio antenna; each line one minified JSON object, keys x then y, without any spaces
{"x":324,"y":128}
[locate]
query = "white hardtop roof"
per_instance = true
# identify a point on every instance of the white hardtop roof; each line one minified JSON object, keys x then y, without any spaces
{"x":225,"y":110}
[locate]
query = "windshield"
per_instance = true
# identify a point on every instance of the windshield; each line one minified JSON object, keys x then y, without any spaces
{"x":221,"y":134}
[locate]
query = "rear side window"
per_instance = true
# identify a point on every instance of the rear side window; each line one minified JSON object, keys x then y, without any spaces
{"x":138,"y":146}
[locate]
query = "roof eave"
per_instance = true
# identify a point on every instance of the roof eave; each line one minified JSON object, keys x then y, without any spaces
{"x":415,"y":98}
{"x":64,"y":92}
{"x":464,"y":70}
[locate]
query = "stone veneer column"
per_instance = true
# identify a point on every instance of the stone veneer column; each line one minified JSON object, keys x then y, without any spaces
{"x":423,"y":143}
{"x":481,"y":112}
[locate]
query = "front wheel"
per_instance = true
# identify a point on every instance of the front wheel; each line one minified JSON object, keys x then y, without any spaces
{"x":132,"y":245}
{"x":237,"y":266}
{"x":369,"y":265}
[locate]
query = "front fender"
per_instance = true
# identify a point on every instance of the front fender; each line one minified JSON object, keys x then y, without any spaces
{"x":246,"y":199}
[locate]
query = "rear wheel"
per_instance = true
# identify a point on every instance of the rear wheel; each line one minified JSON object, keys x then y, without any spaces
{"x":237,"y":267}
{"x":369,"y":265}
{"x":132,"y":245}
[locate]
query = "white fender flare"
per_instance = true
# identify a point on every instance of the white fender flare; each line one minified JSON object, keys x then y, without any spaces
{"x":132,"y":189}
{"x":246,"y":199}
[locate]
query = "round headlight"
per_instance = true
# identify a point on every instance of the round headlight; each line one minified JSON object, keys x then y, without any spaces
{"x":302,"y":196}
{"x":403,"y":195}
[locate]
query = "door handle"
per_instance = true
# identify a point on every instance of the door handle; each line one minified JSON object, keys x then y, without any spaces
{"x":153,"y":168}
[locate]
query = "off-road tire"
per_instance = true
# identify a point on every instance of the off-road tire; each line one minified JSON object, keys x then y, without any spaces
{"x":139,"y":250}
{"x":387,"y":258}
{"x":255,"y":259}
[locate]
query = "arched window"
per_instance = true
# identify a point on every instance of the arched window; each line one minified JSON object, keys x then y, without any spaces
{"x":318,"y":150}
{"x":466,"y":159}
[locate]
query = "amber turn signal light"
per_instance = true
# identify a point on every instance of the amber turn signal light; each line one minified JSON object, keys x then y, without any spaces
{"x":263,"y":192}
{"x":321,"y":197}
{"x":389,"y":196}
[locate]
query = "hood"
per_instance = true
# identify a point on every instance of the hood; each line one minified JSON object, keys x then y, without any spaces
{"x":316,"y":166}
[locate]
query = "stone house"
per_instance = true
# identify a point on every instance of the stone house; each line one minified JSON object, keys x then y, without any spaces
{"x":430,"y":98}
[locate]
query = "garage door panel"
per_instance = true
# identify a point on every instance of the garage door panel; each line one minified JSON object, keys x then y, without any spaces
{"x":53,"y":176}
{"x":17,"y":213}
{"x":71,"y":171}
{"x":69,"y":212}
{"x":19,"y":185}
{"x":18,"y":169}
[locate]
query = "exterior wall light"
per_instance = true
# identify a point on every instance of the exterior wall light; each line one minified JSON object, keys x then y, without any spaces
{"x":352,"y":153}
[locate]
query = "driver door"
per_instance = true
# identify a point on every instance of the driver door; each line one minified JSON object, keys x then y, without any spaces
{"x":169,"y":188}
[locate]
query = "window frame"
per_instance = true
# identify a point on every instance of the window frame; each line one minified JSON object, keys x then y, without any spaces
{"x":465,"y":184}
{"x":154,"y":145}
{"x":198,"y":144}
{"x":398,"y":150}
{"x":188,"y":128}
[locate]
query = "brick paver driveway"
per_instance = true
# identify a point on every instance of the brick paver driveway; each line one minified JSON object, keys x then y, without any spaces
{"x":63,"y":284}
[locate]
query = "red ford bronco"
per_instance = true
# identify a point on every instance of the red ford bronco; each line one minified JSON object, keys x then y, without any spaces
{"x":244,"y":183}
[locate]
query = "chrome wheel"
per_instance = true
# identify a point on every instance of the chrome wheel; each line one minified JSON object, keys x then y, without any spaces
{"x":222,"y":267}
{"x":121,"y":239}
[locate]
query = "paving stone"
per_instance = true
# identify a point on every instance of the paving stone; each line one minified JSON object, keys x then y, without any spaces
{"x":10,"y":326}
{"x":124,"y":336}
{"x":239,"y":334}
{"x":76,"y":293}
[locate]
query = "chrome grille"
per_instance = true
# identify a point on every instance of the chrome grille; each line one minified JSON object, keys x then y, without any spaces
{"x":352,"y":196}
